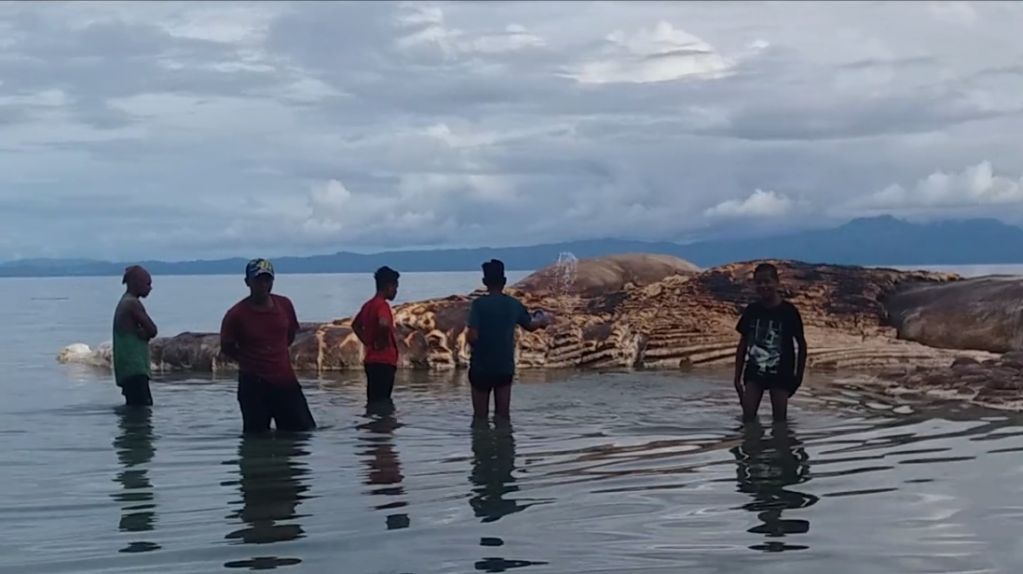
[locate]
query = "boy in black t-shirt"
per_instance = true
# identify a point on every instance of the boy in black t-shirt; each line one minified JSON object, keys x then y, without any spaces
{"x":766,"y":358}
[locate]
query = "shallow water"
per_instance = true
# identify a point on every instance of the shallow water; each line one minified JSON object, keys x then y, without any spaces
{"x":977,"y":270}
{"x":599,"y":472}
{"x":611,"y":473}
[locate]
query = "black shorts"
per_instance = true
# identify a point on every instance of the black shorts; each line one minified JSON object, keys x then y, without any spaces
{"x":379,"y":381}
{"x":482,"y":382}
{"x":136,"y":391}
{"x":261,"y":401}
{"x":787,"y":384}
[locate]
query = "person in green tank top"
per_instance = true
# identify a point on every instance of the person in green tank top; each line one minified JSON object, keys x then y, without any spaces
{"x":133,"y":329}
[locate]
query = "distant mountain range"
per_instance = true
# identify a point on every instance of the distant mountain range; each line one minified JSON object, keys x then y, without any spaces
{"x":881,"y":240}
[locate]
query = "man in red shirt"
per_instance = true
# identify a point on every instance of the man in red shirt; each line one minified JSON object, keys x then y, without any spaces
{"x":258,"y":332}
{"x":374,"y":326}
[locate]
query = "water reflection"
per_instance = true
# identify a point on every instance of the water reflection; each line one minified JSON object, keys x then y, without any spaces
{"x":134,"y":446}
{"x":383,"y":468}
{"x":766,"y":465}
{"x":493,"y":465}
{"x":493,"y":462}
{"x":270,"y":482}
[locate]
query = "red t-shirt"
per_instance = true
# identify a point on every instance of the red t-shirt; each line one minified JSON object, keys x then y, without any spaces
{"x":370,"y":316}
{"x":263,"y":337}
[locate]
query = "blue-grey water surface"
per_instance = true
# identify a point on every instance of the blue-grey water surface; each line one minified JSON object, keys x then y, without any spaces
{"x":598,"y":472}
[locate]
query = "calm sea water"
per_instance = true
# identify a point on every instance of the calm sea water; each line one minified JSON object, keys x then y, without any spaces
{"x":599,"y":472}
{"x":971,"y":270}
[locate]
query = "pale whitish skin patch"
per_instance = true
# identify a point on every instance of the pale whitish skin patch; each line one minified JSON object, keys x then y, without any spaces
{"x":80,"y":353}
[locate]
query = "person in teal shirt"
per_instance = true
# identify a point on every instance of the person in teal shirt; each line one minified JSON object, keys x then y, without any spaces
{"x":133,"y":329}
{"x":492,"y":321}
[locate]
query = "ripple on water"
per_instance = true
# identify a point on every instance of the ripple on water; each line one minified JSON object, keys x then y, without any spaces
{"x":621,"y":473}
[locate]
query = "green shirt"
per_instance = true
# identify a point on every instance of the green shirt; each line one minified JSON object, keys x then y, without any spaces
{"x":131,"y":355}
{"x":494,"y":317}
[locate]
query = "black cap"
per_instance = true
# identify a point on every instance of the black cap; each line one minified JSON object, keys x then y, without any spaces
{"x":493,"y":270}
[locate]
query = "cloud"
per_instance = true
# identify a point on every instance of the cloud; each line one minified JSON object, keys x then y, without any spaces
{"x":332,"y":213}
{"x":427,"y":28}
{"x":759,"y":204}
{"x":335,"y":213}
{"x":228,"y":128}
{"x":513,"y":38}
{"x":953,"y":12}
{"x":658,"y":54}
{"x":974,"y":186}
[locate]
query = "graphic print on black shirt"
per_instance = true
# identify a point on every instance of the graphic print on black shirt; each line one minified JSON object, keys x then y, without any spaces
{"x":764,"y":357}
{"x":770,"y":336}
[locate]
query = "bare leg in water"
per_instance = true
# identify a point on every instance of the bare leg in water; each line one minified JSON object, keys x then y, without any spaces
{"x":502,"y":402}
{"x":480,"y":404}
{"x":751,"y":398}
{"x":779,"y":404}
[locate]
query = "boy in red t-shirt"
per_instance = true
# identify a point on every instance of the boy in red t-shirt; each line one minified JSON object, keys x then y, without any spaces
{"x":258,"y":332}
{"x":374,"y":326}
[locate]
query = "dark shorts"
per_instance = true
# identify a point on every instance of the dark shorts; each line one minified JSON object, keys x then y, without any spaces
{"x":379,"y":381}
{"x":787,"y":384}
{"x":136,"y":391}
{"x":261,"y":401}
{"x":482,"y":382}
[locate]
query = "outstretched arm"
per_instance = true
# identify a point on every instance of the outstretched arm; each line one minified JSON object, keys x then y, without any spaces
{"x":145,"y":324}
{"x":527,"y":321}
{"x":531,"y":325}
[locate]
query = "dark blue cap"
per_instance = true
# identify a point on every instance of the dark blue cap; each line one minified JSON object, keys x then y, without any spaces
{"x":258,"y":267}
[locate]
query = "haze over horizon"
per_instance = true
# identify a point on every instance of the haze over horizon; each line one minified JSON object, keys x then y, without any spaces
{"x":182,"y":131}
{"x":875,"y":241}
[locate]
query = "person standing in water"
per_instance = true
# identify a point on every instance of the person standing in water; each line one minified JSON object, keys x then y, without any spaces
{"x":492,"y":321}
{"x":766,"y":359}
{"x":133,"y":329}
{"x":374,"y":326}
{"x":258,"y":332}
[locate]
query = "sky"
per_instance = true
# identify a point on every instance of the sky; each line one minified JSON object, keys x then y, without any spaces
{"x":199,"y":130}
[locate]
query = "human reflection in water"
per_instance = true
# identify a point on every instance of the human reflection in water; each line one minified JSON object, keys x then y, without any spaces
{"x":134,"y":446}
{"x":270,"y":482}
{"x":493,"y":463}
{"x":765,"y":467}
{"x":383,"y":468}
